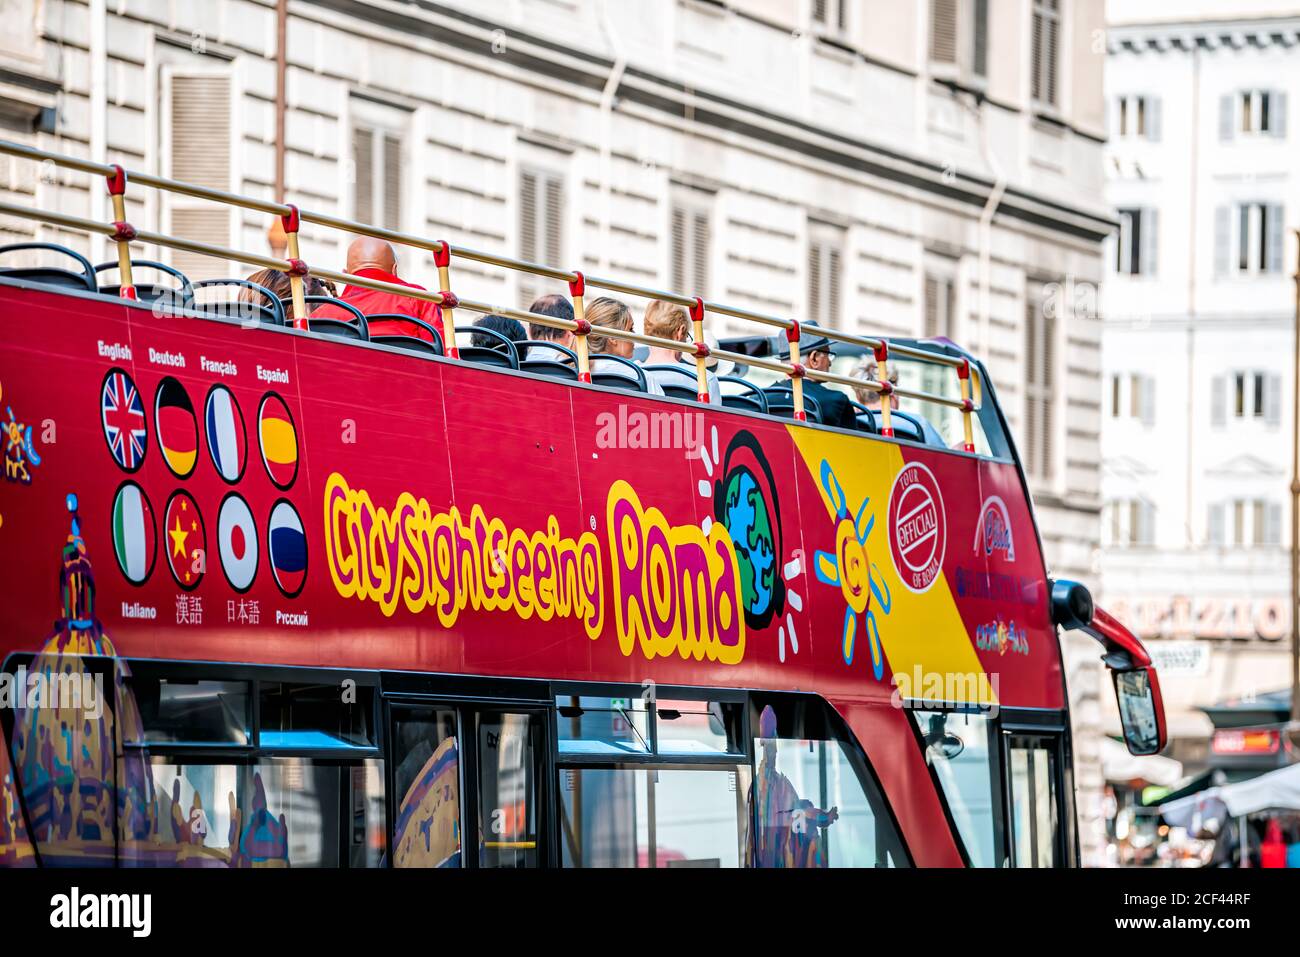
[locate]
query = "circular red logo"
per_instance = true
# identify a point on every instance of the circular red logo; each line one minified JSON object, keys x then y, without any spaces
{"x":918,"y":531}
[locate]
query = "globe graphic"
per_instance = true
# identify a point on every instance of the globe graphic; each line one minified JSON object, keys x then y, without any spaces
{"x":745,"y":516}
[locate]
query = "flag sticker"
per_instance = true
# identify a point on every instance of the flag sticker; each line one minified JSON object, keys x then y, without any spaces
{"x":134,"y":535}
{"x":237,"y":542}
{"x":278,"y":440}
{"x":227,"y":440}
{"x":122,"y":414}
{"x":287,"y":549}
{"x":185,"y":539}
{"x":176,"y":427}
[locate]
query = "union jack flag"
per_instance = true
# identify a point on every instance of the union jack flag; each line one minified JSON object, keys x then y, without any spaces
{"x":124,"y":421}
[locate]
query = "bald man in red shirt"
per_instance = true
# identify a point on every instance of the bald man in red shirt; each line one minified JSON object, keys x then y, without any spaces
{"x":372,"y":258}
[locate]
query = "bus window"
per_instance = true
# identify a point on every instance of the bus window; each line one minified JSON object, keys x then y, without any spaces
{"x":508,"y":756}
{"x":698,"y":727}
{"x":653,"y":816}
{"x":810,"y":808}
{"x":277,"y":812}
{"x":1033,"y":790}
{"x":958,"y":753}
{"x":315,"y":716}
{"x":602,"y":725}
{"x":426,"y":787}
{"x":192,"y":711}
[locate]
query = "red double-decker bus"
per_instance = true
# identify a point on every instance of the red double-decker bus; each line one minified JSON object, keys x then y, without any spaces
{"x":281,"y":593}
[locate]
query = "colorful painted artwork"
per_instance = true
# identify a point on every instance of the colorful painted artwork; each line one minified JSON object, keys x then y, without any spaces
{"x":427,"y":831}
{"x":20,"y":453}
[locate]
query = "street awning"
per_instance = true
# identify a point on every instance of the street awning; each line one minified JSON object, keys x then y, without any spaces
{"x":1118,"y":765}
{"x":1275,"y":791}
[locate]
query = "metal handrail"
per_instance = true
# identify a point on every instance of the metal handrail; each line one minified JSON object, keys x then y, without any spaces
{"x":291,"y":216}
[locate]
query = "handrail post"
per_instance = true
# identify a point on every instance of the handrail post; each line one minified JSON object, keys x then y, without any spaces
{"x":123,"y":232}
{"x":886,"y":389}
{"x":442,"y":259}
{"x":796,"y":372}
{"x":701,"y":351}
{"x":967,"y":406}
{"x":291,"y":222}
{"x":578,"y":289}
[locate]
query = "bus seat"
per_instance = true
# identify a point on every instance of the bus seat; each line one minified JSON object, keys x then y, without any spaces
{"x":561,"y":364}
{"x":339,"y":328}
{"x":749,"y":397}
{"x":501,"y":353}
{"x":51,"y":275}
{"x":633,"y":380}
{"x":268,"y":310}
{"x":685,"y":386}
{"x":781,"y":404}
{"x":180,"y":295}
{"x":381,"y":327}
{"x":355,"y":316}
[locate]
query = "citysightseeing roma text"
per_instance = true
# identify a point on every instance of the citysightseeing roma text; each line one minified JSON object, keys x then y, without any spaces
{"x":676,"y":589}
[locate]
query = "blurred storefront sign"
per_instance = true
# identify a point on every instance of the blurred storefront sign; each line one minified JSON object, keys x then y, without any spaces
{"x":1186,"y":658}
{"x":1183,"y":616}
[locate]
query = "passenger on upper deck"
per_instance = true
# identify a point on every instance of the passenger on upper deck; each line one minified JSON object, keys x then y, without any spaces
{"x":866,"y":369}
{"x":665,"y":320}
{"x":512,"y":329}
{"x":557,"y":307}
{"x":612,"y":314}
{"x":815,"y":353}
{"x":375,"y":259}
{"x":278,"y":283}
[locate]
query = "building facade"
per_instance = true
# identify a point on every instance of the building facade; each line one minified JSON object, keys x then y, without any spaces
{"x":898,"y":167}
{"x":1197,"y":347}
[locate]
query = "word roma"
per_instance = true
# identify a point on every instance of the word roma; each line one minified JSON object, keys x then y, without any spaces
{"x":676,"y":590}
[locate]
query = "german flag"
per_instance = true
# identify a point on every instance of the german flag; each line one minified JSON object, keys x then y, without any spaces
{"x":176,"y":428}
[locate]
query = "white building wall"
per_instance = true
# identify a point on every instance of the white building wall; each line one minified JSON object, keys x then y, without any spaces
{"x":1184,"y":326}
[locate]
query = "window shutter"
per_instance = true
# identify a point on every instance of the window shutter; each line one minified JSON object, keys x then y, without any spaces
{"x":1222,"y":240}
{"x":1273,"y":524}
{"x":1227,"y":103}
{"x":1153,"y":119}
{"x":1214,"y":525}
{"x":1148,"y":401}
{"x":980,"y":39}
{"x":815,"y":281}
{"x":200,"y":154}
{"x":1273,"y":399}
{"x":1279,"y":114}
{"x":833,"y":287}
{"x":1032,"y":441}
{"x":528,"y":250}
{"x":1150,"y":242}
{"x":701,"y":240}
{"x":363,"y":175}
{"x":943,"y":31}
{"x":1147,"y":526}
{"x":1274,"y":248}
{"x":553,"y":234}
{"x":1218,"y":401}
{"x":392,"y":181}
{"x":819,"y":11}
{"x":1036,"y":56}
{"x":1051,"y":46}
{"x":678,"y":278}
{"x":1048,"y":394}
{"x":930,"y":328}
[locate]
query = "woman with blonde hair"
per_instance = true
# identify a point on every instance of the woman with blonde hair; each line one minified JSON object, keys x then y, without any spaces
{"x":608,"y":313}
{"x":666,"y":320}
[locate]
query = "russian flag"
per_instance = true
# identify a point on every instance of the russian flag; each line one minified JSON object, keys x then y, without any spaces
{"x":287,"y":549}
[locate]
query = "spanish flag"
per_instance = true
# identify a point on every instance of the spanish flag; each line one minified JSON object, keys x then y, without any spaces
{"x":279,"y":441}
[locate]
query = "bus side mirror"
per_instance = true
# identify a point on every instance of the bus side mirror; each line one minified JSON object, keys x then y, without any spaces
{"x":1137,"y":689}
{"x":1141,"y":710}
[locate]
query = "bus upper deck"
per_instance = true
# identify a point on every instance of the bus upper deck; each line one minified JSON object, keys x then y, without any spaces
{"x":209,"y":498}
